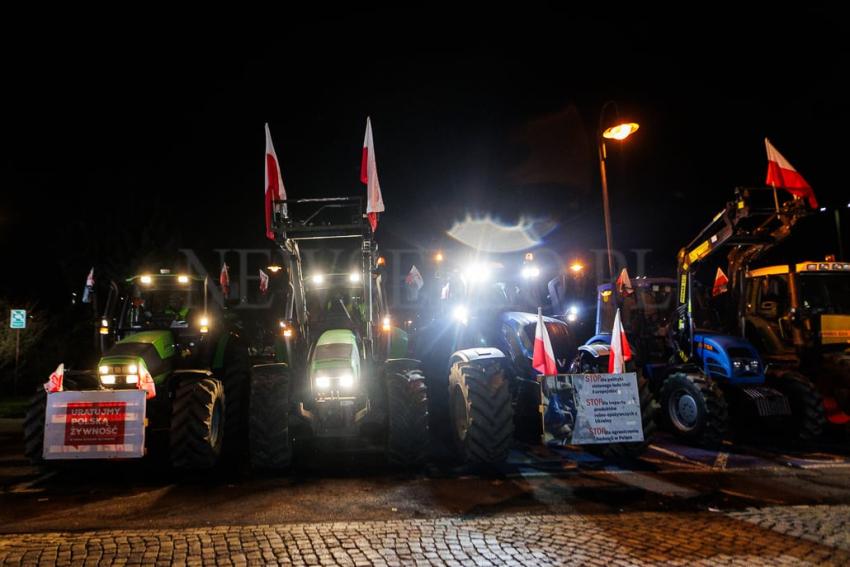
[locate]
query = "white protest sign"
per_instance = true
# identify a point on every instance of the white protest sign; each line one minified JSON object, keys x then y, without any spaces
{"x":96,"y":424}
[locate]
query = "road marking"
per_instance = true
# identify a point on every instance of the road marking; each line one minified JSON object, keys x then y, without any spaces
{"x":28,"y":486}
{"x":720,"y":461}
{"x":679,"y":456}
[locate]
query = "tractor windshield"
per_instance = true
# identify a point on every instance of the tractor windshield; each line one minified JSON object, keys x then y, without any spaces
{"x":825,"y":293}
{"x":559,"y":335}
{"x":162,"y":305}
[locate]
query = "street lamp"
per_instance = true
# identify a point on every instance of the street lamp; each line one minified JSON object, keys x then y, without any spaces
{"x":619,"y":132}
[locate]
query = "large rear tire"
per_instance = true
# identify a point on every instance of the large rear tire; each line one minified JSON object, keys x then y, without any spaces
{"x":34,"y":427}
{"x":407,"y":400}
{"x":197,"y":424}
{"x":808,"y":417}
{"x":480,"y":411}
{"x":270,"y":446}
{"x":236,"y":380}
{"x":694,"y":408}
{"x":585,"y":363}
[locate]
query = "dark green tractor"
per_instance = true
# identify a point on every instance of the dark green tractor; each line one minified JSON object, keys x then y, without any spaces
{"x":346,"y":384}
{"x":168,"y":340}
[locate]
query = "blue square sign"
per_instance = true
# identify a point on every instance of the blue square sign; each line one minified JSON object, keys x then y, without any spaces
{"x":18,"y":320}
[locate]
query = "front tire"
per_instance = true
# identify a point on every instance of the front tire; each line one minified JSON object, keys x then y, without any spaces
{"x":694,"y":408}
{"x":480,"y":411}
{"x":197,"y":424}
{"x":407,"y":401}
{"x":270,"y":446}
{"x":807,"y":412}
{"x":34,"y":427}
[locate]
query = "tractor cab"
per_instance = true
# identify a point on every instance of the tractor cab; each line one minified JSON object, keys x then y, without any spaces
{"x":176,"y":302}
{"x":646,"y":313}
{"x":803,"y":307}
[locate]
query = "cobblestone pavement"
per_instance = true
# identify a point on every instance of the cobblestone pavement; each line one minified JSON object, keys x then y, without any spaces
{"x":795,"y":535}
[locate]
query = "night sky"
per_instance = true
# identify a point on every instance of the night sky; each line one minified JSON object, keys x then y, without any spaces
{"x":121,"y":138}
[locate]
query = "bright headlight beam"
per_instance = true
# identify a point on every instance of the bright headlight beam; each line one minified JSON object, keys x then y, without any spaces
{"x":108,"y":380}
{"x":323,"y":382}
{"x":318,"y":279}
{"x":346,"y":381}
{"x":354,"y":277}
{"x":460,"y":313}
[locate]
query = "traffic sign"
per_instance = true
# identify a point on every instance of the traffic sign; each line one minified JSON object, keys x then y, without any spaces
{"x":18,"y":320}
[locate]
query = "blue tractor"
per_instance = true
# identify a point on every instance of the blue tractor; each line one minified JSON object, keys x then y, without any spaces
{"x":477,"y":354}
{"x":703,"y":378}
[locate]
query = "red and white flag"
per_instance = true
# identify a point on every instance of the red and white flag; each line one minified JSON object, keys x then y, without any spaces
{"x":54,"y":383}
{"x":624,"y":284}
{"x":544,"y":357}
{"x":224,"y":281}
{"x":621,"y":351}
{"x":782,"y":174}
{"x":264,"y":282}
{"x":369,"y":176}
{"x":414,"y":278}
{"x":274,"y":183}
{"x":146,"y":383}
{"x":88,"y":290}
{"x":721,"y":283}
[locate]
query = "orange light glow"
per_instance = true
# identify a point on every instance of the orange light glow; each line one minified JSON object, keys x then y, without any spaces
{"x":621,"y":131}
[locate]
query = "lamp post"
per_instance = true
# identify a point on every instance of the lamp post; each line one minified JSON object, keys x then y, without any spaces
{"x":619,"y":132}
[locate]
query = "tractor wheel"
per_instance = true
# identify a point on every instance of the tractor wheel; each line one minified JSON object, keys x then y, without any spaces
{"x":197,"y":424}
{"x":807,"y":412}
{"x":585,"y":363}
{"x":270,"y":446}
{"x":407,"y":401}
{"x":34,"y":427}
{"x":480,"y":411}
{"x":236,"y":380}
{"x":694,"y":408}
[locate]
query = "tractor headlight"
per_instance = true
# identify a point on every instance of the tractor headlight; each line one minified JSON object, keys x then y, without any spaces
{"x":745,"y":365}
{"x":204,"y":324}
{"x":530,"y":272}
{"x":572,"y":313}
{"x":132,"y":379}
{"x":132,"y":369}
{"x":318,"y":279}
{"x":108,"y":379}
{"x":103,"y":369}
{"x":323,"y":382}
{"x":460,"y":314}
{"x":354,"y":277}
{"x":346,"y":381}
{"x":477,"y":273}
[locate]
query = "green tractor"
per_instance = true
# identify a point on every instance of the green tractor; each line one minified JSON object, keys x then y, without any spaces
{"x":169,"y":342}
{"x":345,"y":382}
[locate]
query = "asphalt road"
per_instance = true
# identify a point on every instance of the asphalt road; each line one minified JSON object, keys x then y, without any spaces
{"x":670,"y":477}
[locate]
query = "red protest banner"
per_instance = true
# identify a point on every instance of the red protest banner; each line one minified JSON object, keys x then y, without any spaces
{"x":95,"y":423}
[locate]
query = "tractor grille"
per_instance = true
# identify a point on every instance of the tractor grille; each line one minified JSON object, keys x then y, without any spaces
{"x":768,"y":402}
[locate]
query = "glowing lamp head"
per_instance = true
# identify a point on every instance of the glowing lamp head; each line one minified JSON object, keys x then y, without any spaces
{"x":620,"y":131}
{"x":183,"y":279}
{"x":146,"y":279}
{"x":204,"y":323}
{"x":576,"y":267}
{"x":386,"y":324}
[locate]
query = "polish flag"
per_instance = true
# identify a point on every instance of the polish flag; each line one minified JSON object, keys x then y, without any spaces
{"x":88,"y":290}
{"x":721,"y":283}
{"x":264,"y":282}
{"x":275,"y":190}
{"x":621,"y":352}
{"x":146,"y":383}
{"x":544,"y":357}
{"x":224,"y":281}
{"x":624,"y":284}
{"x":782,"y":174}
{"x":369,"y":176}
{"x":54,"y":383}
{"x":414,"y":278}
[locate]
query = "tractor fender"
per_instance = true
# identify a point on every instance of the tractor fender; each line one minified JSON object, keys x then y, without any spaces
{"x":401,"y":364}
{"x":472,"y":354}
{"x":179,"y":376}
{"x":596,"y":349}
